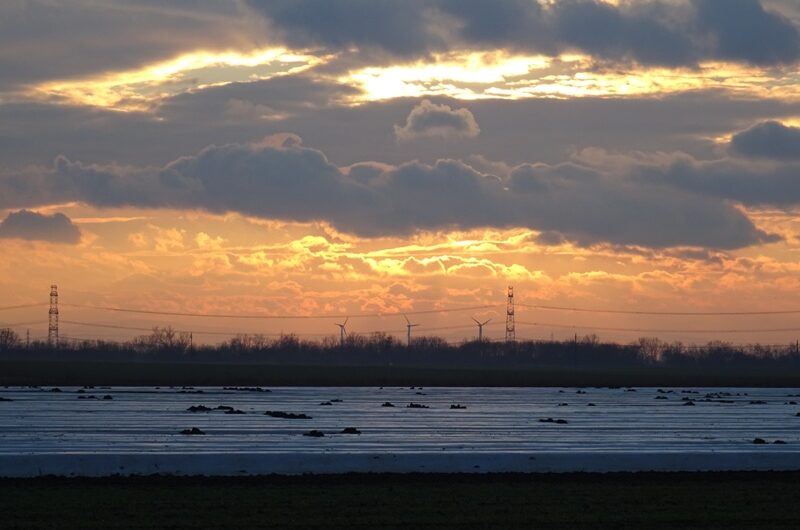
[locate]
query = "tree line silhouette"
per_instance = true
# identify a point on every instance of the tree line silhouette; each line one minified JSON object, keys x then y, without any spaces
{"x":169,"y":345}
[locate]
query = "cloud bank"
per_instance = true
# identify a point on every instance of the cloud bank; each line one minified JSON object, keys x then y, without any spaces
{"x":751,"y":185}
{"x":279,"y":178}
{"x":649,"y":32}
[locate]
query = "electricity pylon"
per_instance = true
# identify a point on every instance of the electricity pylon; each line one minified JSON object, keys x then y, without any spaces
{"x":511,"y":335}
{"x":52,"y":325}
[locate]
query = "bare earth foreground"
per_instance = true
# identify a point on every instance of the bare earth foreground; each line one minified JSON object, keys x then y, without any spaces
{"x":591,"y":501}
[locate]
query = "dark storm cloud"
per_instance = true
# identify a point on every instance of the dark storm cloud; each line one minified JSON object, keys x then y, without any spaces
{"x":742,"y":30}
{"x":24,"y":224}
{"x":502,"y":23}
{"x":643,"y":34}
{"x":770,"y":139}
{"x":279,"y":178}
{"x":428,"y":119}
{"x":670,"y":34}
{"x":649,"y":32}
{"x":396,"y":26}
{"x":646,"y":32}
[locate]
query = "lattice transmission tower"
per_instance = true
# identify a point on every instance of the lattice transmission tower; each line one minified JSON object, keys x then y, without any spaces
{"x":510,"y":332}
{"x":52,"y":328}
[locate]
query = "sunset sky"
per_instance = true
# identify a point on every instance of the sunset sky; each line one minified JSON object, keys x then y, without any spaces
{"x":346,"y":157}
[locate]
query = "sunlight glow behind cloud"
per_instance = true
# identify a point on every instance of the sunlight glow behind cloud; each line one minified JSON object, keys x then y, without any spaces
{"x":483,"y":76}
{"x":465,"y":76}
{"x":138,"y":89}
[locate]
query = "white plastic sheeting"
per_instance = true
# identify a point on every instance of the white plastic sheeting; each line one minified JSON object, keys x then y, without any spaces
{"x":138,"y":431}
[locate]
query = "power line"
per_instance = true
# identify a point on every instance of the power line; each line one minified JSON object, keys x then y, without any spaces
{"x":282,"y":317}
{"x":661,"y":313}
{"x":234,"y":333}
{"x":84,"y":339}
{"x":109,"y":326}
{"x":198,"y":332}
{"x":20,"y":324}
{"x":418,"y":312}
{"x":465,"y":326}
{"x":223,"y":333}
{"x":646,"y":330}
{"x":439,"y":328}
{"x":22,"y":306}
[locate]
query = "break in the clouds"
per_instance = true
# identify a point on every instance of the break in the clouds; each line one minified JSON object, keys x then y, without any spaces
{"x":428,"y":120}
{"x":43,"y":40}
{"x":279,"y":178}
{"x":34,"y":226}
{"x":652,"y":32}
{"x":770,"y":140}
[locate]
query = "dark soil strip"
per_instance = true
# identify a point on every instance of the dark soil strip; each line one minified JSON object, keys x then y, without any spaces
{"x":582,"y":501}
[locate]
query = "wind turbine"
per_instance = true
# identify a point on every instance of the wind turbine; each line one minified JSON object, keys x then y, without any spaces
{"x":480,"y":327}
{"x":342,"y":331}
{"x":409,"y":325}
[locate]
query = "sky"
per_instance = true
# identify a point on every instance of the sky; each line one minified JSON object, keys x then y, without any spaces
{"x":349,"y":157}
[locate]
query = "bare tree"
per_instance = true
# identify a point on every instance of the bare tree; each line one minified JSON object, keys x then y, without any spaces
{"x":165,"y":338}
{"x":248,"y":342}
{"x":8,"y":339}
{"x":591,"y":340}
{"x":650,"y":348}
